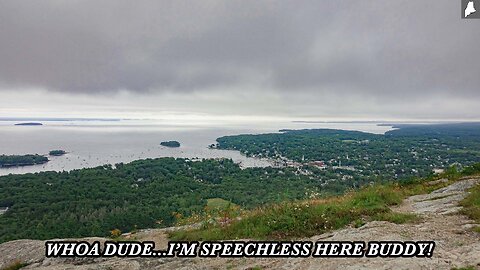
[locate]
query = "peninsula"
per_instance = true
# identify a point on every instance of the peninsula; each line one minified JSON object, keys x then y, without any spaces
{"x":21,"y":160}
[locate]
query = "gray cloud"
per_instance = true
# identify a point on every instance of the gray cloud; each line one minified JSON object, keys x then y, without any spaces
{"x":385,"y":51}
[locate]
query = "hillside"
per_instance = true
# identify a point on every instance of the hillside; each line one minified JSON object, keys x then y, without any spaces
{"x":439,"y":215}
{"x":140,"y":194}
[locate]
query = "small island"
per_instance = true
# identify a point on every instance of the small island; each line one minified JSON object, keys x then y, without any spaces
{"x":29,"y":124}
{"x":170,"y":144}
{"x":57,"y":153}
{"x":21,"y":160}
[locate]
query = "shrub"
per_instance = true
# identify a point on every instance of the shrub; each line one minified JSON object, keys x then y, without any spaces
{"x":115,"y":233}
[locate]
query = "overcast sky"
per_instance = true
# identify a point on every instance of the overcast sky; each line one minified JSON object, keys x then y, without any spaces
{"x":261,"y":59}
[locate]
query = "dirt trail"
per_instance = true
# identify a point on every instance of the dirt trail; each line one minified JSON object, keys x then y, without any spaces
{"x":456,"y":244}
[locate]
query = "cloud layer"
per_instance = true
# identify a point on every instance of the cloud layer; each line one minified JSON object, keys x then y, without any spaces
{"x":309,"y":58}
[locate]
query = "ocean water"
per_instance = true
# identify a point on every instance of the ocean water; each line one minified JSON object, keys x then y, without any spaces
{"x":95,"y":143}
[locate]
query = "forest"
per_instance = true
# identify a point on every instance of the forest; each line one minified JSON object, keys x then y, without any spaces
{"x":141,"y":194}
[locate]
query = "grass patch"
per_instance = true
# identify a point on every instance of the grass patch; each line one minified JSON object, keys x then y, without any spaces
{"x":306,"y":218}
{"x":397,"y":218}
{"x":310,"y":217}
{"x":465,"y":268}
{"x":218,"y":203}
{"x":471,"y":205}
{"x":216,"y":211}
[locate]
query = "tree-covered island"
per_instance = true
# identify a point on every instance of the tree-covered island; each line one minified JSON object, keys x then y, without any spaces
{"x":57,"y":153}
{"x":170,"y":144}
